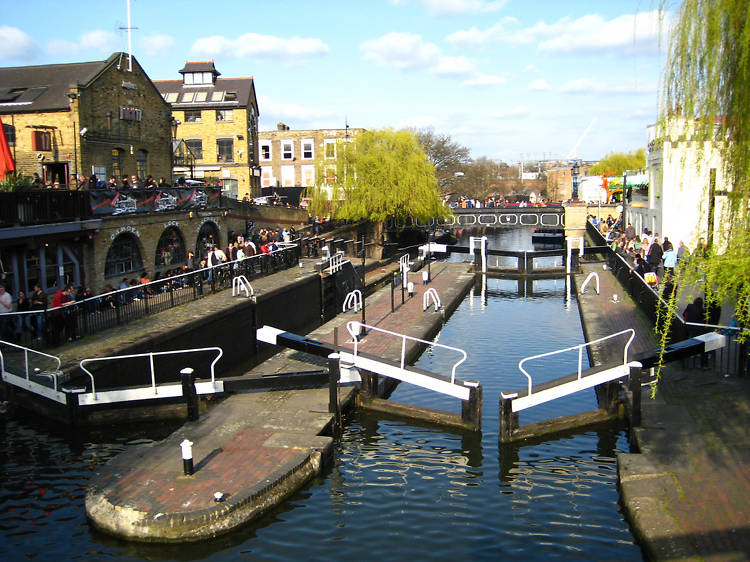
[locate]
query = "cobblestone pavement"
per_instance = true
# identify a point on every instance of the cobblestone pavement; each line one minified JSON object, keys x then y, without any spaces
{"x":687,"y":491}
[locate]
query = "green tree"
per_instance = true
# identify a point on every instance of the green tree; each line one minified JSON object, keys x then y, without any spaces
{"x":380,"y":174}
{"x":615,"y":163}
{"x":707,"y":77}
{"x":447,"y":155}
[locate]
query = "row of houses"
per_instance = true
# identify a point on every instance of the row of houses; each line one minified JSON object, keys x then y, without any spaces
{"x":108,"y":118}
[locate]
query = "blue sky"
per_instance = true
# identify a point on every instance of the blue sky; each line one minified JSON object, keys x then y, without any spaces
{"x":510,"y":79}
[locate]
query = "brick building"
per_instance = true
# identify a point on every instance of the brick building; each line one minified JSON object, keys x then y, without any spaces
{"x":288,"y":158}
{"x":103,"y":117}
{"x":217,"y":120}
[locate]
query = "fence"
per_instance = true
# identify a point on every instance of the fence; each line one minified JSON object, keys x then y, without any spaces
{"x":94,"y":314}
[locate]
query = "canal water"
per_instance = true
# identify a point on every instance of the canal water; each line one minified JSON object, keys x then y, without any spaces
{"x":397,"y":491}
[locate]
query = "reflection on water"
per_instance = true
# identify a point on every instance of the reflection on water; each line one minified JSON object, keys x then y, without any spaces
{"x":396,"y":491}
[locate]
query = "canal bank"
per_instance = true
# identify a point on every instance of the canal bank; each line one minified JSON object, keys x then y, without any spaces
{"x":686,"y":491}
{"x":254,"y":449}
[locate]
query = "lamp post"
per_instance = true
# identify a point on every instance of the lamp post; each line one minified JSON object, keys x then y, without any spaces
{"x":575,"y":170}
{"x":174,"y":124}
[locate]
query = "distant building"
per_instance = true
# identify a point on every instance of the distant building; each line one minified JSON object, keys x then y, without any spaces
{"x":686,"y":194}
{"x":103,"y":117}
{"x":216,"y":120}
{"x":288,"y":157}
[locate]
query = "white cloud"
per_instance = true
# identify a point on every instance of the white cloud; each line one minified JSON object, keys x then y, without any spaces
{"x":539,"y":85}
{"x":457,"y":67}
{"x":418,"y":122}
{"x":518,"y":111}
{"x":590,"y":33}
{"x":272,"y":111}
{"x":157,"y":44}
{"x":403,"y":51}
{"x":484,"y":80}
{"x":17,"y":45}
{"x":97,"y":40}
{"x":456,"y":7}
{"x":265,"y":47}
{"x":588,"y":85}
{"x":531,"y":68}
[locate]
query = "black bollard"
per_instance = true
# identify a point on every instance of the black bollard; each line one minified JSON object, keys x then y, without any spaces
{"x":187,"y":457}
{"x":189,"y":393}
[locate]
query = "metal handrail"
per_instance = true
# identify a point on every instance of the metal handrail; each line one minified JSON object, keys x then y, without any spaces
{"x":580,"y":353}
{"x":240,"y":283}
{"x":430,"y":294}
{"x":353,"y":300}
{"x":354,"y":328}
{"x":150,"y":355}
{"x":26,"y":351}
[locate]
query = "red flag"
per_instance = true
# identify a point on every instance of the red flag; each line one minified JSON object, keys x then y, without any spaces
{"x":6,"y":158}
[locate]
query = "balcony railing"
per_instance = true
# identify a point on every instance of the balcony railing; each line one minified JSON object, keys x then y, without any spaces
{"x":43,"y":206}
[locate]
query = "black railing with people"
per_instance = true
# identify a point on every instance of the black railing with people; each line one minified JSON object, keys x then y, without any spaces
{"x":108,"y":310}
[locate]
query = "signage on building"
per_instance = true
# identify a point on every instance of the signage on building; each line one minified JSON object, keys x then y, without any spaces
{"x":129,"y":229}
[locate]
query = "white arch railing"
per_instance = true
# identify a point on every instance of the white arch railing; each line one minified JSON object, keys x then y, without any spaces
{"x":240,"y":284}
{"x":353,"y":300}
{"x":430,"y":295}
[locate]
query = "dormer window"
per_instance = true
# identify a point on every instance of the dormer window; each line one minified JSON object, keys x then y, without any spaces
{"x":193,"y":78}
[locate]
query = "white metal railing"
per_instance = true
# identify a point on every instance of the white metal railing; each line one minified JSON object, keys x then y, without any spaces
{"x":150,"y":356}
{"x":353,"y":300}
{"x":53,"y":374}
{"x":593,"y":275}
{"x":239,"y":284}
{"x":404,"y":265}
{"x":335,"y":262}
{"x":354,"y":328}
{"x":580,"y":348}
{"x":430,"y":295}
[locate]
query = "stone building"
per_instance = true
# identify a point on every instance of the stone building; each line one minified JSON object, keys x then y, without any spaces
{"x":288,"y":158}
{"x":217,"y":120}
{"x":102,"y":118}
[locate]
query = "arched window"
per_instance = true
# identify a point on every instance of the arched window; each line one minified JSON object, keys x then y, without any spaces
{"x":170,"y":251}
{"x":141,"y":160}
{"x":208,"y":236}
{"x":123,"y":256}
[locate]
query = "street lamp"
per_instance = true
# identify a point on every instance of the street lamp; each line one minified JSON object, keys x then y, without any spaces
{"x":174,"y":124}
{"x":575,"y":170}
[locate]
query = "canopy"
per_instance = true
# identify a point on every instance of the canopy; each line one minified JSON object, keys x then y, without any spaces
{"x":6,"y":158}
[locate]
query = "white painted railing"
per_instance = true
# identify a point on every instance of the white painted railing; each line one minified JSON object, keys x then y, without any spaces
{"x":150,"y":355}
{"x":24,"y":378}
{"x":430,"y":295}
{"x":354,"y":329}
{"x":353,"y":300}
{"x":593,"y":275}
{"x":580,"y":349}
{"x":336,"y":262}
{"x":240,"y":284}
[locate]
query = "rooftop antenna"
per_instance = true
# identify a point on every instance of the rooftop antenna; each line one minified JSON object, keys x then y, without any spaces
{"x":130,"y":40}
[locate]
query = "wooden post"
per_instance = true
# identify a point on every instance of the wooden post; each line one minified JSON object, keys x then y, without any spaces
{"x":333,"y":383}
{"x":607,"y":395}
{"x":189,"y":393}
{"x":471,"y":409}
{"x":506,"y":419}
{"x":634,"y":385}
{"x":368,"y":388}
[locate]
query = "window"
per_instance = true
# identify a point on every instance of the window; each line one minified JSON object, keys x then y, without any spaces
{"x":308,"y":175}
{"x":330,"y":146}
{"x":330,"y":176}
{"x":208,"y":236}
{"x":123,"y":256}
{"x":141,"y":161}
{"x":266,"y":177}
{"x":10,"y":134}
{"x":287,"y":150}
{"x":230,"y":96}
{"x":193,"y":116}
{"x":201,"y":96}
{"x":307,"y":149}
{"x":224,"y":150}
{"x":188,"y":97}
{"x":265,"y":150}
{"x":229,"y":188}
{"x":287,"y":176}
{"x":196,"y":147}
{"x":130,"y":114}
{"x":223,"y":114}
{"x":217,"y":96}
{"x":170,"y":97}
{"x":41,"y":140}
{"x":117,"y":162}
{"x":171,"y":248}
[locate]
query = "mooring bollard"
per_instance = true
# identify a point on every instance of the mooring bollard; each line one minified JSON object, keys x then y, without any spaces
{"x":187,"y":457}
{"x":425,"y":278}
{"x":189,"y":393}
{"x":410,"y":289}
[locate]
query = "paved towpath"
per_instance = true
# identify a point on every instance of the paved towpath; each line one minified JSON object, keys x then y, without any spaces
{"x":687,"y":493}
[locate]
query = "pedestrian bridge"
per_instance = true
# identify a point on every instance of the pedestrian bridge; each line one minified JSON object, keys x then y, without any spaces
{"x":550,"y":217}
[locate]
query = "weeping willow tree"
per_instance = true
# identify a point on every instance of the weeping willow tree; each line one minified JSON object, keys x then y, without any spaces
{"x":707,"y":78}
{"x":379,"y":175}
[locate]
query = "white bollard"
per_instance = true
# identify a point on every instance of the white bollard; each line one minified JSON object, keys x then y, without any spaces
{"x":410,"y":288}
{"x":187,"y":457}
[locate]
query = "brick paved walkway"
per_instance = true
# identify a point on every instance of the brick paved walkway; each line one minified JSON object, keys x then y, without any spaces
{"x":687,"y":493}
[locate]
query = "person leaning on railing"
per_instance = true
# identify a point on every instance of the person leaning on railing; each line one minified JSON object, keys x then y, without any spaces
{"x":39,"y":303}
